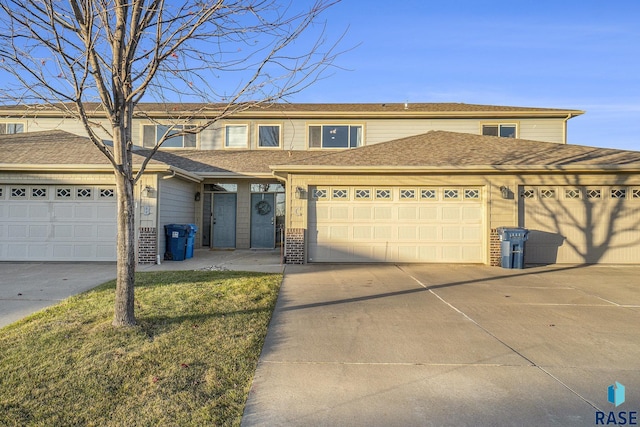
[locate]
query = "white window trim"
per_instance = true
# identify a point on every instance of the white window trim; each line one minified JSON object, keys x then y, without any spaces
{"x":224,"y":136}
{"x":257,"y":135}
{"x":498,"y":123}
{"x":336,"y":123}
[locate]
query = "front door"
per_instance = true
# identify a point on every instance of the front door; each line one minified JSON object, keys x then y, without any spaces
{"x":263,"y":215}
{"x":223,"y":227}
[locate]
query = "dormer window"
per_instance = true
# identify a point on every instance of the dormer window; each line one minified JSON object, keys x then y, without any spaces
{"x":335,"y":136}
{"x":502,"y":130}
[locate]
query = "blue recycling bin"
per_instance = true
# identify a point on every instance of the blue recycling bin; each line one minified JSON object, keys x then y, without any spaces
{"x":176,"y":241}
{"x":191,"y":237}
{"x":512,"y":243}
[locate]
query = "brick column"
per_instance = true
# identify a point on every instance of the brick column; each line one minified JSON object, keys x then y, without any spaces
{"x":294,"y":246}
{"x":147,"y":245}
{"x":494,"y":248}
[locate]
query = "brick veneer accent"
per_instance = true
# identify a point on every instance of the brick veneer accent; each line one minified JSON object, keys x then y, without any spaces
{"x":294,"y":246}
{"x":494,"y":248}
{"x":147,"y":245}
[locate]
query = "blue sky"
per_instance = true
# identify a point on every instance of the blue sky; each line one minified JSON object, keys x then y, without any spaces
{"x":570,"y":54}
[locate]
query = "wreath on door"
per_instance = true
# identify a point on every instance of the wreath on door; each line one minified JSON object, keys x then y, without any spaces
{"x":263,"y":207}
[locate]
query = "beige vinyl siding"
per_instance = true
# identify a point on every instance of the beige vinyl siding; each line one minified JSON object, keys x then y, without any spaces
{"x":68,"y":125}
{"x":176,"y":205}
{"x":547,"y":130}
{"x":243,"y":216}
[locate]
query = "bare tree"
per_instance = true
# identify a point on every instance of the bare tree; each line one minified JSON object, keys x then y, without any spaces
{"x":100,"y":58}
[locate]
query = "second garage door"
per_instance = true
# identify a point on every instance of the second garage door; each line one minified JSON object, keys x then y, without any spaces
{"x":396,"y":224}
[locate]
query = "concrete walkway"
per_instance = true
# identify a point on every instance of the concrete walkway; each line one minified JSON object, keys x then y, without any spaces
{"x":437,"y":345}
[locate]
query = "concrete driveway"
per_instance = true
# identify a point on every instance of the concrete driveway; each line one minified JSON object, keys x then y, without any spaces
{"x":384,"y":345}
{"x":29,"y":287}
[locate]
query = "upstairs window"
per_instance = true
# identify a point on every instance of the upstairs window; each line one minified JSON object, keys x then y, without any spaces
{"x":501,"y":130}
{"x":236,"y":136}
{"x":151,"y":135}
{"x":11,"y":128}
{"x":336,"y":136}
{"x":268,"y":136}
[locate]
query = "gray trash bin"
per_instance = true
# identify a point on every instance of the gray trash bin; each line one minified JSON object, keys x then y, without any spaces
{"x":512,"y":242}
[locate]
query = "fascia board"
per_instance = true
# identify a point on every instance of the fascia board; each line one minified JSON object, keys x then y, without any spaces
{"x":227,"y":175}
{"x":488,"y":169}
{"x":404,"y":114}
{"x":84,"y":168}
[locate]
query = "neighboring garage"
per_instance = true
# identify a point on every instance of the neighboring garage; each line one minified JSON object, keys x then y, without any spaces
{"x":581,"y":224}
{"x":396,"y":224}
{"x":57,"y":223}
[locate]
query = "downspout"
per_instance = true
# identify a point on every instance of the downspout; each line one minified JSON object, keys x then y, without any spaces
{"x":564,"y":128}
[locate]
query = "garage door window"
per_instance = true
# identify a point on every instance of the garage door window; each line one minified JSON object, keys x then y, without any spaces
{"x":383,"y":193}
{"x":618,"y":193}
{"x":635,"y":193}
{"x":571,"y":193}
{"x":451,"y":194}
{"x":107,"y":193}
{"x":548,"y":193}
{"x":319,"y":193}
{"x":594,"y":194}
{"x":407,"y":194}
{"x":63,"y":193}
{"x":83,"y":193}
{"x":38,"y":193}
{"x":339,"y":193}
{"x":363,"y":194}
{"x":428,"y":194}
{"x":18,"y":193}
{"x":471,"y":194}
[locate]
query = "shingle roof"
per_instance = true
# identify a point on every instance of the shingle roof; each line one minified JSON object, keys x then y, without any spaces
{"x":216,"y":161}
{"x":62,"y":148}
{"x":437,"y":149}
{"x":54,"y":147}
{"x":310,"y":110}
{"x":450,"y":149}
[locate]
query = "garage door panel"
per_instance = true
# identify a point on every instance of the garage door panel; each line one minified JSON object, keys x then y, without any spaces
{"x":451,"y":214}
{"x":338,"y":213}
{"x":382,"y":213}
{"x":407,"y":213}
{"x":43,"y":225}
{"x":106,"y":212}
{"x":62,"y":231}
{"x":428,"y":213}
{"x":38,"y":232}
{"x":39,"y":212}
{"x":18,"y":231}
{"x":18,"y":211}
{"x":63,"y":211}
{"x":84,"y":212}
{"x":362,"y":213}
{"x":398,"y":228}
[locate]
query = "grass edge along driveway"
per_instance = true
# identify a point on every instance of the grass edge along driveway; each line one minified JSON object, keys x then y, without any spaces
{"x":189,"y":361}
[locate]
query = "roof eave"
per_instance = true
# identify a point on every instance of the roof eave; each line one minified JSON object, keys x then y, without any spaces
{"x":484,"y":169}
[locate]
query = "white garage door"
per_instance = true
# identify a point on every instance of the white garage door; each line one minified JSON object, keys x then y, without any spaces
{"x":57,"y":223}
{"x":599,"y":224}
{"x":396,"y":224}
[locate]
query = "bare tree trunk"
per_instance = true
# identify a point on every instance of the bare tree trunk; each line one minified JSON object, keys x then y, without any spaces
{"x":126,"y":262}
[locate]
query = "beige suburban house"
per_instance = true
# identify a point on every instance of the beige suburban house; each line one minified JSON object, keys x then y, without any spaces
{"x":329,"y":182}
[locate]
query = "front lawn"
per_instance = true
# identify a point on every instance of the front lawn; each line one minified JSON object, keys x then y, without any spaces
{"x":190,"y":360}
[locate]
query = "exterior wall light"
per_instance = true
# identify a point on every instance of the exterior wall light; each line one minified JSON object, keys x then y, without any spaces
{"x":301,"y":193}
